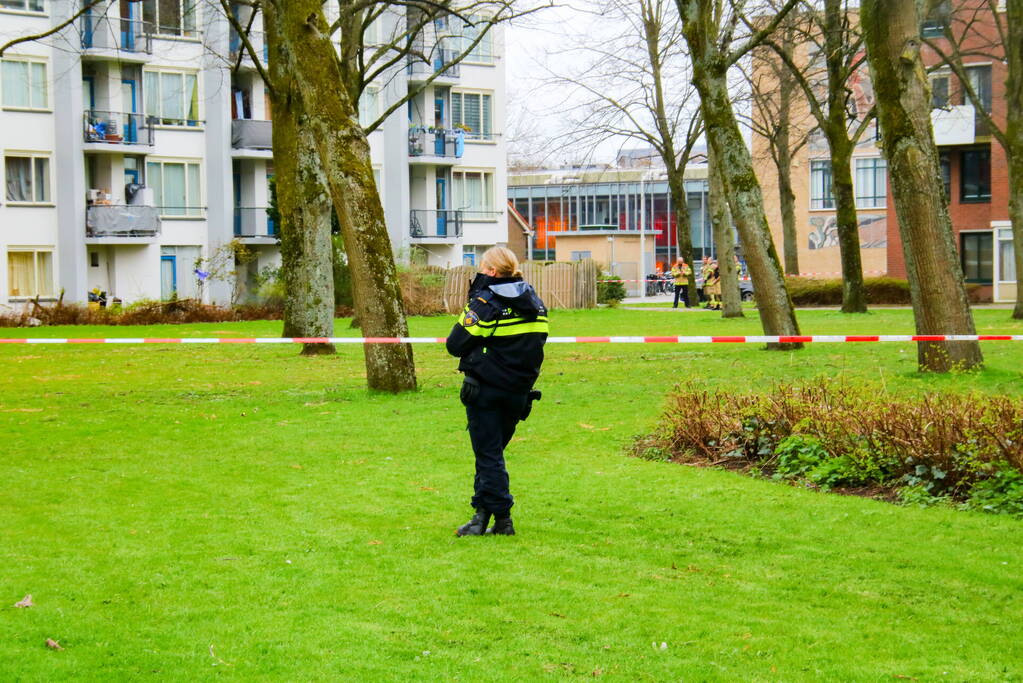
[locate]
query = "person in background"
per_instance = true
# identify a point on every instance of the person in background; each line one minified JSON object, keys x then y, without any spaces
{"x":680,"y":272}
{"x":499,"y":339}
{"x":712,"y":286}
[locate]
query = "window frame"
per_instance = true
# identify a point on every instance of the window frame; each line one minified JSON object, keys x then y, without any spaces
{"x":874,"y":200}
{"x":486,"y":135}
{"x":979,"y":235}
{"x":159,"y":119}
{"x":474,"y":57}
{"x":826,"y":201}
{"x":488,"y":178}
{"x":980,"y":198}
{"x":372,"y":108}
{"x":33,"y":156}
{"x":29,"y":60}
{"x":200,"y":210}
{"x":35,"y":251}
{"x":196,"y":31}
{"x":27,"y":12}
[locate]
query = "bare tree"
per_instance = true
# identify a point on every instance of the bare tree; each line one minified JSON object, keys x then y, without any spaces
{"x":710,"y":28}
{"x":977,"y":30}
{"x":628,"y":87}
{"x":724,"y":241}
{"x":891,"y":30}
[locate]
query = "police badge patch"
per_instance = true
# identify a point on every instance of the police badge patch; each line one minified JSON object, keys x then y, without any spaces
{"x":470,"y":318}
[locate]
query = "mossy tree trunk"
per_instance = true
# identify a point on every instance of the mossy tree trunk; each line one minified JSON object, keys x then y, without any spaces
{"x":329,"y":115}
{"x":786,"y":196}
{"x":938,"y":292}
{"x":304,"y":207}
{"x":1014,"y":136}
{"x":683,"y":227}
{"x":700,"y":25}
{"x":724,"y":243}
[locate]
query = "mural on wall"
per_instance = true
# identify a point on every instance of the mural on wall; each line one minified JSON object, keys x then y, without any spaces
{"x":873,"y":231}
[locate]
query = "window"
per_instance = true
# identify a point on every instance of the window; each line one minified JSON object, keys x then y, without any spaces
{"x":1006,"y":258}
{"x":171,"y":17}
{"x":24,"y":84}
{"x":176,"y":187}
{"x":945,"y":165}
{"x":580,"y":255}
{"x":27,"y":178}
{"x":820,"y":185}
{"x":937,"y":19}
{"x":980,"y":81}
{"x":977,"y":253}
{"x":473,"y":191}
{"x":871,"y":183}
{"x":939,"y":91}
{"x":483,"y":53}
{"x":29,"y":272}
{"x":23,"y":5}
{"x":173,"y":97}
{"x":472,"y":113}
{"x":369,"y":106}
{"x":975,"y":175}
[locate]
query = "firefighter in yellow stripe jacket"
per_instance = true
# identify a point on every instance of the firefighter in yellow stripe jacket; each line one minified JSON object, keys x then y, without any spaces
{"x":499,"y":338}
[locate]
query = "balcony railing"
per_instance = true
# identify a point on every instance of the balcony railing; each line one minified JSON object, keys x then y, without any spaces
{"x":115,"y":33}
{"x":435,"y":142}
{"x":438,"y":60}
{"x":257,"y":39}
{"x":481,"y":216}
{"x":117,"y":128}
{"x":107,"y":220}
{"x":253,"y":221}
{"x":251,"y":134}
{"x":433,"y":223}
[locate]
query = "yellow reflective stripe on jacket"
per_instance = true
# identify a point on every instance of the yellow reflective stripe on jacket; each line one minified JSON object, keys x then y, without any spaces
{"x":479,"y":328}
{"x":513,"y":326}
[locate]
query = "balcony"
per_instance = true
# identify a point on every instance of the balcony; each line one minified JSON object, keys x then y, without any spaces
{"x":240,"y":55}
{"x":419,"y":70}
{"x":121,"y":224}
{"x":252,"y":139}
{"x":117,"y":131}
{"x":106,"y":37}
{"x":482,"y":216}
{"x":433,"y":225}
{"x":954,"y":125}
{"x":435,"y":146}
{"x":252,"y":224}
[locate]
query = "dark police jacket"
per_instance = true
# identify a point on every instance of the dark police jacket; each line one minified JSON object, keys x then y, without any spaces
{"x":501,"y":333}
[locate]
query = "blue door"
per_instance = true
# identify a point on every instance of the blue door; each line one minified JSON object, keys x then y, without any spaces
{"x":130,"y":101}
{"x":87,"y":28}
{"x":168,"y":276}
{"x":128,"y":26}
{"x":237,"y":180}
{"x":442,"y":205}
{"x":439,"y":138}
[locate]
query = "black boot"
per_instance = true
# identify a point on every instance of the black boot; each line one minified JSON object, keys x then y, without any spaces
{"x":476,"y":526}
{"x":502,"y":527}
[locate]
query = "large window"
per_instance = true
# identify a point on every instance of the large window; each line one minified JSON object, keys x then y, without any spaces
{"x":1006,"y":258}
{"x":483,"y":53}
{"x":369,"y":106}
{"x":27,"y":178}
{"x":473,"y":191}
{"x":24,"y":84}
{"x":473,"y":113}
{"x":171,"y":17}
{"x":23,"y":5}
{"x":820,"y":185}
{"x":975,"y":175}
{"x":29,"y":272}
{"x":977,"y":255}
{"x":939,"y":91}
{"x":177,"y":188}
{"x":172,"y":97}
{"x":980,"y":81}
{"x":871,"y":183}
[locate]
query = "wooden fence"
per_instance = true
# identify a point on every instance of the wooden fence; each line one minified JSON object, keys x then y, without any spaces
{"x":560,"y":285}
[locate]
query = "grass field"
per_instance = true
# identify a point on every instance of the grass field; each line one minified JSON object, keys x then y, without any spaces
{"x":239,"y":512}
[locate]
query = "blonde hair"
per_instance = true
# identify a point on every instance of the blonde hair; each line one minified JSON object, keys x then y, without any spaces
{"x":502,"y":260}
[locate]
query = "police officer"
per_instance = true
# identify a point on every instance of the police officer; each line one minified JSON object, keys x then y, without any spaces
{"x":499,"y":339}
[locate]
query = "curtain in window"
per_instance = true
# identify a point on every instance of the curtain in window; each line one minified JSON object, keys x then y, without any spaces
{"x":485,"y":101}
{"x":37,"y":95}
{"x":19,"y":273}
{"x":174,"y":199}
{"x":1007,"y":264}
{"x":19,"y":179}
{"x":192,"y":93}
{"x":172,"y":97}
{"x":44,"y":274}
{"x":151,"y":85}
{"x":474,"y":192}
{"x":15,"y":84}
{"x":41,"y":185}
{"x":154,"y":179}
{"x":194,"y":201}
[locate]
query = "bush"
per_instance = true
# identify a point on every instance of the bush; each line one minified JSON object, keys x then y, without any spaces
{"x":143,"y":312}
{"x":610,"y":289}
{"x":964,"y":448}
{"x":879,"y":291}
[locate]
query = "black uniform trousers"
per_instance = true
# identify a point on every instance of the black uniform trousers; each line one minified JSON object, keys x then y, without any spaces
{"x":682,"y":290}
{"x":492,"y":414}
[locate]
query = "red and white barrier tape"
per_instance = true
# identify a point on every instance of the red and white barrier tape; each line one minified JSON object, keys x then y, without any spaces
{"x":756,"y":339}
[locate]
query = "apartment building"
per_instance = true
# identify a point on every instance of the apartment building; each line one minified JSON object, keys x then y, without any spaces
{"x":973,"y":168}
{"x":137,"y":141}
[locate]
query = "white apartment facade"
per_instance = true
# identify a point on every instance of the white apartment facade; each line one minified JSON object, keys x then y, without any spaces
{"x":137,"y":140}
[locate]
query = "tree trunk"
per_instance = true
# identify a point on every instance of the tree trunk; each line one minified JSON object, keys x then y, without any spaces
{"x":724,"y":244}
{"x":710,"y":71}
{"x":304,"y":207}
{"x":343,"y":152}
{"x":892,"y":37}
{"x":786,"y":197}
{"x":1014,"y":137}
{"x":683,"y":228}
{"x":854,"y":299}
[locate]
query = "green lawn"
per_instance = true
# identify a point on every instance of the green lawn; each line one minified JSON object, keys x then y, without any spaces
{"x":186,"y":513}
